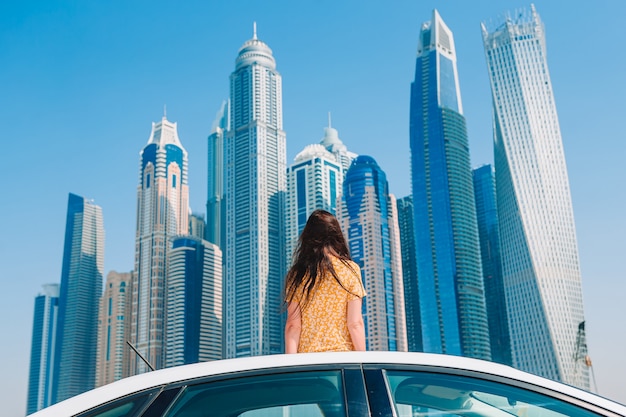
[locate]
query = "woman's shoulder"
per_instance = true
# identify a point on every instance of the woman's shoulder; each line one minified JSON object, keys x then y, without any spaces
{"x":345,"y":263}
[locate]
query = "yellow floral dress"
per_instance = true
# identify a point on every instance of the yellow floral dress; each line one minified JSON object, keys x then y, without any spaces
{"x":324,"y":319}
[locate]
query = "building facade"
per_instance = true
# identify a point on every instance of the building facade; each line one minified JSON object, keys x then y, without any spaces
{"x":197,"y":225}
{"x":313,"y":182}
{"x":369,"y":218}
{"x":80,"y":291}
{"x":162,"y":213}
{"x":114,"y":354}
{"x":42,"y":349}
{"x":540,"y":264}
{"x":452,"y":300}
{"x":489,"y":234}
{"x":409,"y":274}
{"x":193,"y":330}
{"x":255,"y":163}
{"x":215,"y":206}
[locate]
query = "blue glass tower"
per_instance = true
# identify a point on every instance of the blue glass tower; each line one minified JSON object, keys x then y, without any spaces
{"x":489,"y":233}
{"x":369,"y":219}
{"x":81,"y":288}
{"x":452,"y":301}
{"x":42,"y":349}
{"x":193,"y":329}
{"x":215,"y":206}
{"x":409,"y":274}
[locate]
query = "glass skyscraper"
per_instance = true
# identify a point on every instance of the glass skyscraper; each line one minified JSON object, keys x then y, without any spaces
{"x":42,"y":349}
{"x":113,"y":361}
{"x":539,"y":250}
{"x":193,"y":329}
{"x":215,"y":227}
{"x":452,"y":301}
{"x":369,"y":218}
{"x":313,"y":182}
{"x":80,"y":291}
{"x":255,"y":164}
{"x":163,"y":212}
{"x":409,"y":274}
{"x":488,"y":231}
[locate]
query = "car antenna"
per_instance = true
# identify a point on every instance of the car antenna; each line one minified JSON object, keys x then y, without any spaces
{"x":140,"y":355}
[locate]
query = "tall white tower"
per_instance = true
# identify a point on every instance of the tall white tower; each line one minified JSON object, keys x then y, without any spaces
{"x":254,"y":186}
{"x":538,"y":239}
{"x":162,"y":213}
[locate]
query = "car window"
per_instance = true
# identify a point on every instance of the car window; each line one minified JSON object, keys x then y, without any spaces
{"x":429,"y":394}
{"x":306,"y":394}
{"x":124,"y":407}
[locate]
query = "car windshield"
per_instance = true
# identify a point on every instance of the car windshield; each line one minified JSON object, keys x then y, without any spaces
{"x":430,"y":394}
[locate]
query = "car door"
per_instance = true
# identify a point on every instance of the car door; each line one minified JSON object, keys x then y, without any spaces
{"x":304,"y":391}
{"x":408,"y":391}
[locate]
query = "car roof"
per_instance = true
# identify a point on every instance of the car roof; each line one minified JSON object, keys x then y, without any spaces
{"x":161,"y":377}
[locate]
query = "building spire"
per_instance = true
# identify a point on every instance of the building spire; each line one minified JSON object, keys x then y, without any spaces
{"x":165,"y":111}
{"x":254,"y":31}
{"x":329,"y":124}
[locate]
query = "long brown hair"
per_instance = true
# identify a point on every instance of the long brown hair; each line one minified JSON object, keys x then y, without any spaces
{"x":320,"y":240}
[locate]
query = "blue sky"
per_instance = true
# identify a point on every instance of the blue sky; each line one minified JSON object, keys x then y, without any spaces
{"x":82,"y":81}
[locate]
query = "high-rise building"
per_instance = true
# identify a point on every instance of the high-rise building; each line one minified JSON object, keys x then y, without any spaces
{"x":254,"y":183}
{"x":197,"y":225}
{"x":42,"y":349}
{"x":162,"y":213}
{"x":114,"y":354}
{"x":452,"y":300}
{"x":409,"y":274}
{"x":215,"y":206}
{"x":334,"y":145}
{"x":313,"y":182}
{"x":540,"y":265}
{"x":193,"y":330}
{"x":489,"y":234}
{"x":369,"y":218}
{"x":80,"y":291}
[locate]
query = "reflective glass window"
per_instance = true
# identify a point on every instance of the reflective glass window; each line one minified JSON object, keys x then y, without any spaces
{"x":425,"y":394}
{"x":306,"y":394}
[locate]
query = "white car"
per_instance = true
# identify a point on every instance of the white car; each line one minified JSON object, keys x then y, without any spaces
{"x":343,"y":384}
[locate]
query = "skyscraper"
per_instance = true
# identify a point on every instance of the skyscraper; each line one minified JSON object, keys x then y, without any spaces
{"x":42,"y":349}
{"x":114,"y":355}
{"x":215,"y":227}
{"x":80,"y":290}
{"x":193,"y":330}
{"x":452,"y":301}
{"x":313,"y":182}
{"x":539,"y":250}
{"x":254,"y":184}
{"x":369,"y":218}
{"x":162,"y":213}
{"x":489,"y":234}
{"x":334,"y":145}
{"x":409,"y":274}
{"x":197,"y":225}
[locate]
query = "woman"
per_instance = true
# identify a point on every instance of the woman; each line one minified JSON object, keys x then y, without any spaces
{"x":323,"y":291}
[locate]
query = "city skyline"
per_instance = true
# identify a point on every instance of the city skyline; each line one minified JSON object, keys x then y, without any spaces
{"x":305,"y":123}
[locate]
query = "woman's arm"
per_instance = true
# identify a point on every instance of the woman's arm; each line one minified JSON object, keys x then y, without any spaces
{"x":293,"y":328}
{"x":355,"y":324}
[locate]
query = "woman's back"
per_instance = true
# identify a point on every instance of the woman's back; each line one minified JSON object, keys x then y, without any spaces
{"x":324,"y":318}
